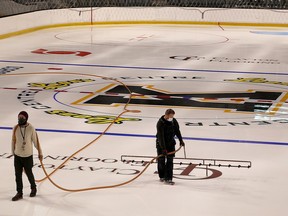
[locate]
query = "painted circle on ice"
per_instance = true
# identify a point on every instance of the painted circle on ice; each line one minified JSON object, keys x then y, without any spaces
{"x":149,"y":37}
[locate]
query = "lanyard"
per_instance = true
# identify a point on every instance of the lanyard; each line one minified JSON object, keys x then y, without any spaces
{"x":23,"y":134}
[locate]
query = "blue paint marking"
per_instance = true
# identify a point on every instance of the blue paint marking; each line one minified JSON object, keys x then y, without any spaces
{"x":143,"y":68}
{"x":270,"y":33}
{"x":153,"y":136}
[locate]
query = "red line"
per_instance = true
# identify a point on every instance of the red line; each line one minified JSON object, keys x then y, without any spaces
{"x":60,"y":90}
{"x":10,"y":88}
{"x":55,"y":68}
{"x":86,"y":92}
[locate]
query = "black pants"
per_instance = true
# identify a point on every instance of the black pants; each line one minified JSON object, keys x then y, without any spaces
{"x":165,"y":165}
{"x":27,"y":164}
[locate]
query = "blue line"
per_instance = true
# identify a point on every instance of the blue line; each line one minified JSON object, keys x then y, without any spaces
{"x":143,"y":68}
{"x":269,"y":33}
{"x":153,"y":136}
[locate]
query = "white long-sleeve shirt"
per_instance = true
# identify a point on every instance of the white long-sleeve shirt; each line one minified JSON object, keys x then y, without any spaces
{"x":30,"y":136}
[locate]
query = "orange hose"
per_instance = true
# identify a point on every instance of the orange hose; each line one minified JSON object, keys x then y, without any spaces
{"x":107,"y":186}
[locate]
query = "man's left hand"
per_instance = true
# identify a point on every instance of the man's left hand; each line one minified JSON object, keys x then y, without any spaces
{"x":182,"y":143}
{"x":40,"y":157}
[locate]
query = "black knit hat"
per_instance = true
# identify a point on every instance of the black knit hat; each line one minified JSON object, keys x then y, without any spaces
{"x":25,"y":114}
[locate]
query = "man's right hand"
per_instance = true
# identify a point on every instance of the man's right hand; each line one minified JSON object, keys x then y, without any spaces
{"x":164,"y":152}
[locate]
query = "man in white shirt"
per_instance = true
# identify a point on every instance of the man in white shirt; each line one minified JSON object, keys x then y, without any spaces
{"x":24,"y":134}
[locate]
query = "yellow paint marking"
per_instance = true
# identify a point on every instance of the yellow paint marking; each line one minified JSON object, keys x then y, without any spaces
{"x":280,"y":104}
{"x":82,"y":99}
{"x":92,"y":94}
{"x":105,"y":88}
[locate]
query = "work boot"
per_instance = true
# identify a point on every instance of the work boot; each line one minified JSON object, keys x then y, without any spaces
{"x":170,"y":182}
{"x":33,"y":192}
{"x":18,"y":196}
{"x":161,"y":179}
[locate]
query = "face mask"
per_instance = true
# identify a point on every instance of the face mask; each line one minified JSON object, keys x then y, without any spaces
{"x":170,"y":119}
{"x":22,"y":121}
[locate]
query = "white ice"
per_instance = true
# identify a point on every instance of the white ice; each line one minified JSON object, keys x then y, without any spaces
{"x":168,"y":59}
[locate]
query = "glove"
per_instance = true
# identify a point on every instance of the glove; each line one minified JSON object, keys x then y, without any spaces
{"x":164,"y":152}
{"x":182,"y":143}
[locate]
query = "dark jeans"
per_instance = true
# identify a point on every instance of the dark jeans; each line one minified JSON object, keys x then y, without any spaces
{"x":165,"y":165}
{"x":27,"y":164}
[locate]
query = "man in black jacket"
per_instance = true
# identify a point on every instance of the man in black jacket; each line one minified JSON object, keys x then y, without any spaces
{"x":167,"y":129}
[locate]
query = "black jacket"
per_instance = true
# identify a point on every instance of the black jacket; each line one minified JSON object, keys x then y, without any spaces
{"x":166,"y":132}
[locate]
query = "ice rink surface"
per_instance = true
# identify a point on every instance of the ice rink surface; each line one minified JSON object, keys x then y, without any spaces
{"x":227,"y":85}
